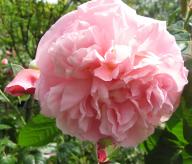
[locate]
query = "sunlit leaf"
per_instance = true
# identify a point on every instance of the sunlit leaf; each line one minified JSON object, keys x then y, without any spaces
{"x":40,"y":131}
{"x":4,"y":127}
{"x":16,"y":68}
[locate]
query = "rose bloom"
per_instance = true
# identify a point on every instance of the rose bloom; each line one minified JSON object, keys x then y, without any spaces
{"x":107,"y":72}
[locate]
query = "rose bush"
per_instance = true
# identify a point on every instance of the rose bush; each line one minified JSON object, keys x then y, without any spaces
{"x":106,"y":72}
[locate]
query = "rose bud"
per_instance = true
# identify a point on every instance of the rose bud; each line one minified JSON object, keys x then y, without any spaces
{"x":23,"y":83}
{"x":4,"y":61}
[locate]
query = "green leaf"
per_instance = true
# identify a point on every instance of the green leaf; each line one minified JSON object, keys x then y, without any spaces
{"x":176,"y":117}
{"x":28,"y":159}
{"x":40,"y":131}
{"x":4,"y":127}
{"x":188,"y":88}
{"x":187,"y":154}
{"x":3,"y":97}
{"x":112,"y":151}
{"x":167,"y":151}
{"x":16,"y":68}
{"x":177,"y":130}
{"x":187,"y":131}
{"x":187,"y":123}
{"x":9,"y":159}
{"x":5,"y":142}
{"x":175,"y":124}
{"x":39,"y":158}
{"x":151,"y":142}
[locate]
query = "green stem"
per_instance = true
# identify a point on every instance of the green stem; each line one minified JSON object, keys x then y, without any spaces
{"x":28,"y":108}
{"x":13,"y":106}
{"x":189,"y":13}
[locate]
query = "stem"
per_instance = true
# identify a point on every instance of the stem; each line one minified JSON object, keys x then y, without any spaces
{"x":146,"y":146}
{"x":189,"y":13}
{"x":183,"y":6}
{"x":28,"y":108}
{"x":13,"y":106}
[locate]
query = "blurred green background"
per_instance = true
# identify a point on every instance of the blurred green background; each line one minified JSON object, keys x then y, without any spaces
{"x":29,"y":138}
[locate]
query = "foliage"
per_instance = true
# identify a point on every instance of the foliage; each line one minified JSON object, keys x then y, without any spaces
{"x":28,"y":137}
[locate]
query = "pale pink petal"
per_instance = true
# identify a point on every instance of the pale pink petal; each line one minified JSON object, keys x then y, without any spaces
{"x":103,"y":73}
{"x":74,"y":92}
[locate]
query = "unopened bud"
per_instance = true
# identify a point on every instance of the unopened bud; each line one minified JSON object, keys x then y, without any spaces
{"x":4,"y":61}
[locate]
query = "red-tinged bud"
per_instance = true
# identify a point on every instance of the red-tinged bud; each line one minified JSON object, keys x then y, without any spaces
{"x":101,"y":155}
{"x":23,"y":83}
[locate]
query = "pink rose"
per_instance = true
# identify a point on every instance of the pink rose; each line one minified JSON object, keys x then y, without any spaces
{"x":107,"y":72}
{"x":4,"y":61}
{"x":23,"y":83}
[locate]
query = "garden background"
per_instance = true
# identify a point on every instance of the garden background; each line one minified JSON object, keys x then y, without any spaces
{"x":26,"y":137}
